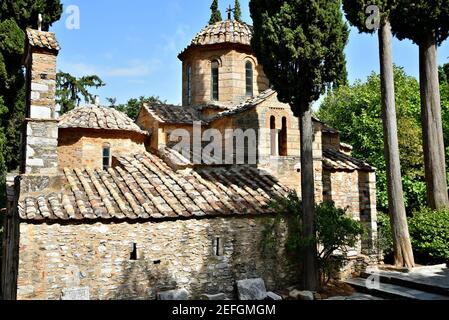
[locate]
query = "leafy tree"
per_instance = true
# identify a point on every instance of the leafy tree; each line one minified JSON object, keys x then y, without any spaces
{"x":354,"y":8}
{"x":70,"y":90}
{"x":356,"y":111}
{"x":216,"y":14}
{"x":133,"y":106}
{"x":15,"y":17}
{"x":301,"y":45}
{"x":426,"y":23}
{"x":237,"y":11}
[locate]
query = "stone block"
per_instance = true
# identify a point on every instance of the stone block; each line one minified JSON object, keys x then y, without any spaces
{"x":217,"y":297}
{"x":273,"y":296}
{"x":78,"y":294}
{"x":40,"y":112}
{"x":251,"y":289}
{"x":39,"y":87}
{"x":179,"y":295}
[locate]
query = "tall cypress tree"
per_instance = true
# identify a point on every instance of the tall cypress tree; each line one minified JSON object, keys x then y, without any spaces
{"x":426,"y":23}
{"x":301,"y":45}
{"x":237,"y":11}
{"x":355,"y":10}
{"x":216,"y":14}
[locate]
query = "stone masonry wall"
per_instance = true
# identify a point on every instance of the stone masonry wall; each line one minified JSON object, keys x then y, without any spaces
{"x":41,"y":147}
{"x":170,"y":255}
{"x":356,"y":191}
{"x":84,"y":148}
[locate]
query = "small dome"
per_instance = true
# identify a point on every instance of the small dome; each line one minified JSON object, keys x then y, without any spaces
{"x":101,"y":118}
{"x":227,"y":31}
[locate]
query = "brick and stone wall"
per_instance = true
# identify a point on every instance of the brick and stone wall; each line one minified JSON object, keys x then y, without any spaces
{"x":41,"y":129}
{"x":232,"y":75}
{"x":170,"y":255}
{"x":83,"y":148}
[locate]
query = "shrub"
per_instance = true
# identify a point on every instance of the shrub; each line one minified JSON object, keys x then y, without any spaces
{"x":429,"y":231}
{"x":335,"y":231}
{"x":384,"y":233}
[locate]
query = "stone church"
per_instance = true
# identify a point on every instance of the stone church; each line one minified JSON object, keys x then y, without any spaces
{"x":108,"y":208}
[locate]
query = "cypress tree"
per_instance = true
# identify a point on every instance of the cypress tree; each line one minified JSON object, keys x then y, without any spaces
{"x":301,"y":45}
{"x":237,"y":11}
{"x":426,"y":23}
{"x":355,"y":13}
{"x":216,"y":14}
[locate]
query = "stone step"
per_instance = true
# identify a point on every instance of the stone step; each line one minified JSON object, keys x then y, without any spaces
{"x":393,"y":292}
{"x":405,"y":280}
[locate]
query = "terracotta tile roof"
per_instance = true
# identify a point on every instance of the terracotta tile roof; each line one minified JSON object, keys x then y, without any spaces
{"x":246,"y":105}
{"x":174,"y":114}
{"x":226,"y":31}
{"x":252,"y":103}
{"x":42,"y":39}
{"x":94,"y":117}
{"x":335,"y":160}
{"x":145,"y":187}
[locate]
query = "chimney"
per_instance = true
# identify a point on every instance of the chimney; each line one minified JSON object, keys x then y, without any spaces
{"x":40,"y":136}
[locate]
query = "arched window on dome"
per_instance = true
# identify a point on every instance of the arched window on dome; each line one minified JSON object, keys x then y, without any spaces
{"x":189,"y":84}
{"x":249,"y":79}
{"x":214,"y":80}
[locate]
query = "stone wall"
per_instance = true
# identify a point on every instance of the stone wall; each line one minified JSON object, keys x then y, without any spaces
{"x":41,"y":137}
{"x":356,"y":191}
{"x":170,"y":255}
{"x":232,"y":75}
{"x":83,"y":148}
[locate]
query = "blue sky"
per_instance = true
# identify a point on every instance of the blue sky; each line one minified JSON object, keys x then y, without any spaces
{"x":133,"y":45}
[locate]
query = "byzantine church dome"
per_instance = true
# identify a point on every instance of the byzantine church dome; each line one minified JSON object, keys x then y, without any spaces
{"x":226,"y":31}
{"x":100,"y":118}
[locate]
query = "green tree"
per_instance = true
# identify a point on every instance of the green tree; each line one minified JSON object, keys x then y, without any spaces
{"x":426,"y":23}
{"x":133,"y":106}
{"x":71,"y":90}
{"x":356,"y":111}
{"x":216,"y":14}
{"x":237,"y":11}
{"x":301,"y":45}
{"x":403,"y":252}
{"x":15,"y":17}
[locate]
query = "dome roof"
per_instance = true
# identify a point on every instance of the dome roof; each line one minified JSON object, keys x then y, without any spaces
{"x":227,"y":31}
{"x":95,"y":117}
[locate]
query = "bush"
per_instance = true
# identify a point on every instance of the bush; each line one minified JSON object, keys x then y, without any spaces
{"x":384,"y":233}
{"x":335,"y":231}
{"x":429,"y":231}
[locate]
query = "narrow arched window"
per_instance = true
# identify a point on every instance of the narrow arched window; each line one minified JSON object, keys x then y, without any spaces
{"x":273,"y":136}
{"x":214,"y":85}
{"x":249,"y":79}
{"x":283,"y":138}
{"x":189,"y":85}
{"x":106,"y":156}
